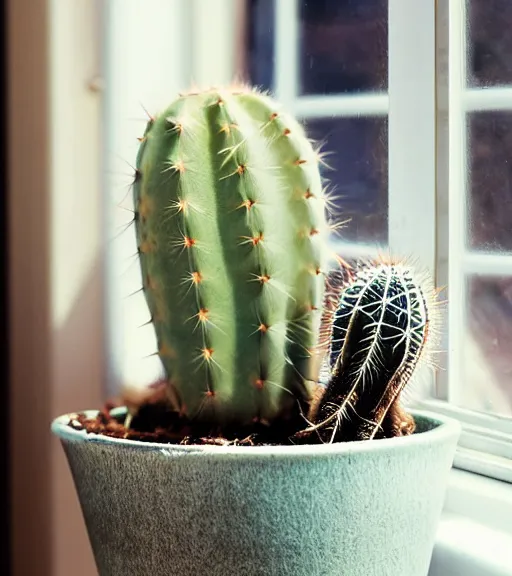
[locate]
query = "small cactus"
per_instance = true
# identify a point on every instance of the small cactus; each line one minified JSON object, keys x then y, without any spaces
{"x":382,"y":327}
{"x":230,"y":224}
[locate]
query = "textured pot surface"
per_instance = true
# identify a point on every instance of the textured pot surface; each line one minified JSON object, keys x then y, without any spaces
{"x":357,"y":509}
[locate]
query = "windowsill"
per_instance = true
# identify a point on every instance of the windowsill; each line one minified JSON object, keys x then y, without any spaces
{"x":475,"y":533}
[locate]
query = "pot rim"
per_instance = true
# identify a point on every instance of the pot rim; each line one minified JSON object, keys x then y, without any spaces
{"x":444,"y":429}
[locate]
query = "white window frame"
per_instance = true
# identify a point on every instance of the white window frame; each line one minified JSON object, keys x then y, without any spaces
{"x":486,"y":441}
{"x":411,"y":107}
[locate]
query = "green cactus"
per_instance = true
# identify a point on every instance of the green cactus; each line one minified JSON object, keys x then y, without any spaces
{"x":383,"y":326}
{"x":230,"y":225}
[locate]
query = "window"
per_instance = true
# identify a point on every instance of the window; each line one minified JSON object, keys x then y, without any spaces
{"x":413,"y":99}
{"x":473,"y":226}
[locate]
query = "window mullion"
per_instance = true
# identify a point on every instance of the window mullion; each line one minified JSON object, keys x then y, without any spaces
{"x":343,"y":105}
{"x":286,"y":52}
{"x":412,"y":137}
{"x":457,"y":183}
{"x":487,"y":99}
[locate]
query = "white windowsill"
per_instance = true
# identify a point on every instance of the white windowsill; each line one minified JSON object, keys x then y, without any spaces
{"x":475,"y":533}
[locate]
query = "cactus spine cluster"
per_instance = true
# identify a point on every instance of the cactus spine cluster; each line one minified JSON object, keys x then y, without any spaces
{"x":230,"y":228}
{"x":380,"y":331}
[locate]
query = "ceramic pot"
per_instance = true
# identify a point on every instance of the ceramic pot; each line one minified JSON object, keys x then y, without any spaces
{"x":355,"y":509}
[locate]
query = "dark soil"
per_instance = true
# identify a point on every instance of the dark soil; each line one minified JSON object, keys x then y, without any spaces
{"x":156,"y":421}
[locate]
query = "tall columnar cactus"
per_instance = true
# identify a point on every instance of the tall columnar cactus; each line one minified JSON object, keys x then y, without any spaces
{"x":230,"y":227}
{"x":383,"y":326}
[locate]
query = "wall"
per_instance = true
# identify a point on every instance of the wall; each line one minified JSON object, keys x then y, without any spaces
{"x":56,"y":351}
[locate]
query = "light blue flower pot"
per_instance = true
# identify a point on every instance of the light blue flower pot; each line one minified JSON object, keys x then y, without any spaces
{"x":357,"y":509}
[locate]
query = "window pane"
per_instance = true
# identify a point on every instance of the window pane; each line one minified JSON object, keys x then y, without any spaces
{"x":358,"y":180}
{"x":487,"y":369}
{"x":260,"y":43}
{"x":344,"y":46}
{"x":490,"y":186}
{"x":489,"y":42}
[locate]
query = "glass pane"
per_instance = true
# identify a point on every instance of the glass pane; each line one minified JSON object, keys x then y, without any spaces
{"x":490,"y":187}
{"x":487,"y":369}
{"x":259,"y":44}
{"x":489,"y":42}
{"x":343,"y":46}
{"x":358,"y":180}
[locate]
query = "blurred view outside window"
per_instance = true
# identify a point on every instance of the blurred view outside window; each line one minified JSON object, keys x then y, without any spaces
{"x":342,"y":50}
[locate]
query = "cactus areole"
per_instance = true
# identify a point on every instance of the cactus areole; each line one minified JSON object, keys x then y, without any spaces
{"x":230,"y":226}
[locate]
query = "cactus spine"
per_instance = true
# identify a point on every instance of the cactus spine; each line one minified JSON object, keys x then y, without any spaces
{"x":230,"y":228}
{"x":381,"y":329}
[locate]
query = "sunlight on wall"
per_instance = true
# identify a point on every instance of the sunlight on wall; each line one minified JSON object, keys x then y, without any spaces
{"x":148,"y":62}
{"x":75,"y":185}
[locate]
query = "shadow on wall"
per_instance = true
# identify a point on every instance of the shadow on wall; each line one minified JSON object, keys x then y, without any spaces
{"x":79,"y":378}
{"x":49,"y":532}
